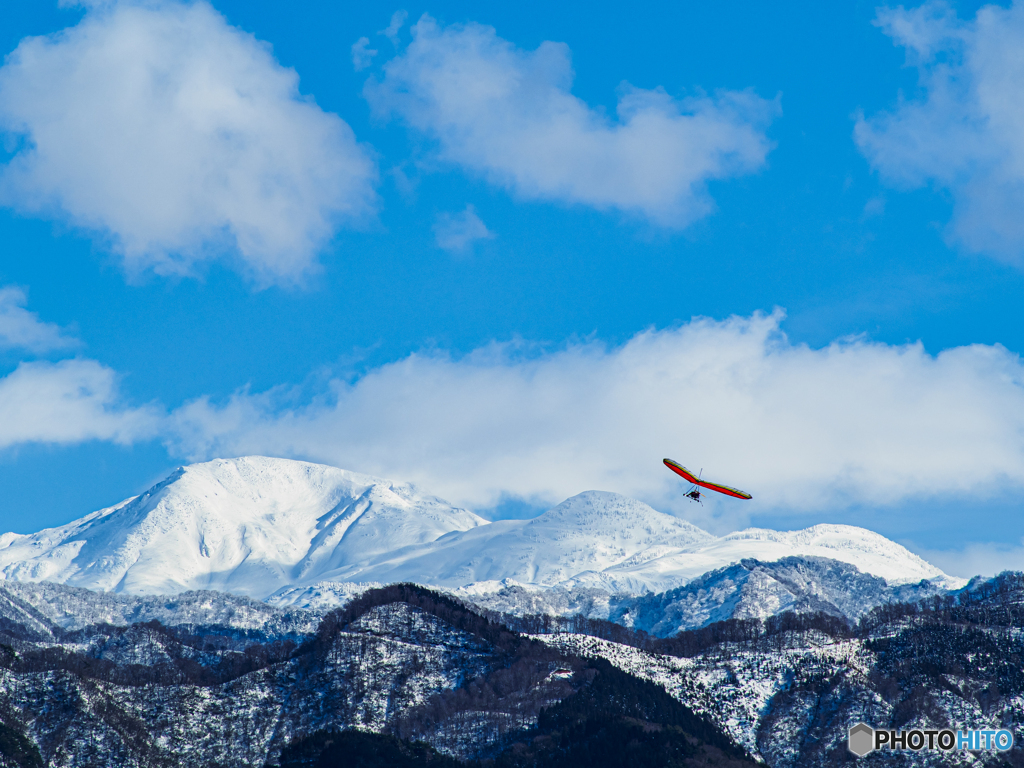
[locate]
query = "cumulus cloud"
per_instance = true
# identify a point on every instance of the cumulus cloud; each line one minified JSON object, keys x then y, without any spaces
{"x":965,"y":133}
{"x":508,"y":115}
{"x":397,"y":22}
{"x":362,"y":54}
{"x":69,"y":402}
{"x":66,"y":402}
{"x":856,"y":422}
{"x":21,"y":329}
{"x":178,"y":138}
{"x":456,"y":233}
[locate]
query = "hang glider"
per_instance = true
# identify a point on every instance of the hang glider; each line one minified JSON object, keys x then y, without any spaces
{"x":696,"y":480}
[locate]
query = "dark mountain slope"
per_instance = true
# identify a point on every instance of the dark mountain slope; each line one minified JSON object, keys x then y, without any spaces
{"x":402,"y":662}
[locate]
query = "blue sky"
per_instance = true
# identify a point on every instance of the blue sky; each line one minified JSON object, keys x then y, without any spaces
{"x":521,"y":252}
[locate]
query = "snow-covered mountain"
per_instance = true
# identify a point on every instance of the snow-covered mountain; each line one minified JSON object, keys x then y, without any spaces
{"x":45,"y":608}
{"x":588,"y":534}
{"x":204,"y":678}
{"x":604,"y":541}
{"x":749,"y":589}
{"x":291,"y":531}
{"x":247,"y":526}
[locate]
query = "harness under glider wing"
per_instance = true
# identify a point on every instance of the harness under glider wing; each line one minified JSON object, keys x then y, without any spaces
{"x":687,"y":475}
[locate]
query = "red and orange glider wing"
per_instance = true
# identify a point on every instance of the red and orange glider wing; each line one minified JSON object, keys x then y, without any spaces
{"x":687,"y":475}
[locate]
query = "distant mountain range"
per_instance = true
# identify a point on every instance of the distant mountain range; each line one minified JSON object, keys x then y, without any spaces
{"x":301,"y":534}
{"x":637,"y":628}
{"x":409,"y":678}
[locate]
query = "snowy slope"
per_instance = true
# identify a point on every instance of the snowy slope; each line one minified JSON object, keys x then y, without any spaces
{"x":265,"y":527}
{"x":43,"y":606}
{"x":590,"y":532}
{"x":867,"y":551}
{"x":617,"y":544}
{"x":744,"y":590}
{"x":247,"y":526}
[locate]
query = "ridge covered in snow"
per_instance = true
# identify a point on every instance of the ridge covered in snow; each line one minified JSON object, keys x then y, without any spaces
{"x":248,"y":526}
{"x":281,"y":529}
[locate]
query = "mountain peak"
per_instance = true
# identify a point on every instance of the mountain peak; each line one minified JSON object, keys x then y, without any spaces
{"x":249,"y":525}
{"x":256,"y":525}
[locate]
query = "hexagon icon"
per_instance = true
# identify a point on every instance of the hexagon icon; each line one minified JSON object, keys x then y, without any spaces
{"x":861,"y":739}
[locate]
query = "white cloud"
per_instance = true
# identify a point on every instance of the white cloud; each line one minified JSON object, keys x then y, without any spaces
{"x":69,"y":402}
{"x":21,"y":329}
{"x":508,"y":115}
{"x":802,"y":429}
{"x":362,"y":54}
{"x":966,"y":132}
{"x":178,"y":138}
{"x":397,"y":22}
{"x":456,"y":233}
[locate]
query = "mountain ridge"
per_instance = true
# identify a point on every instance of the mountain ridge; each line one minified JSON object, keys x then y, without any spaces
{"x":212,"y":678}
{"x":245,"y":525}
{"x":259,"y":527}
